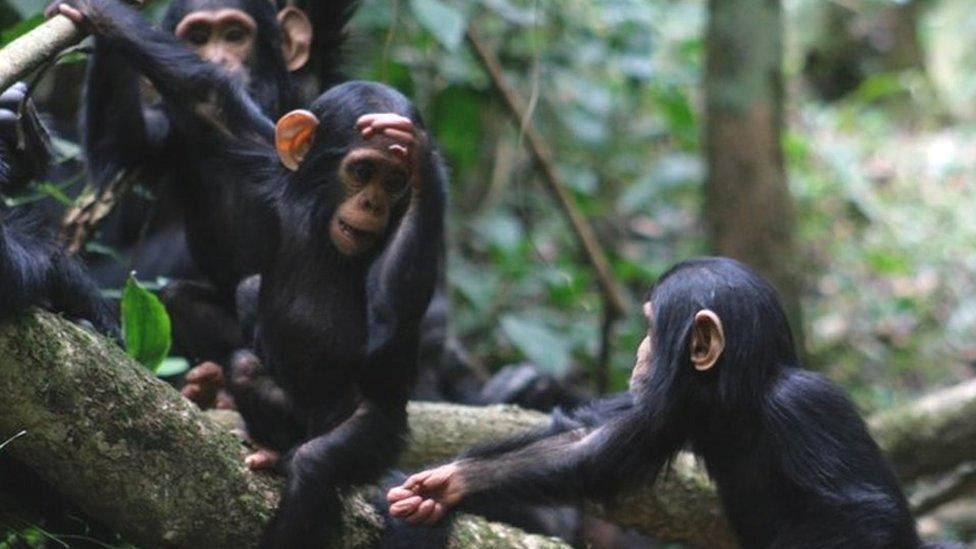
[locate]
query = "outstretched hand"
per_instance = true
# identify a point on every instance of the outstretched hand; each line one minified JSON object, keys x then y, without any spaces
{"x":427,"y":496}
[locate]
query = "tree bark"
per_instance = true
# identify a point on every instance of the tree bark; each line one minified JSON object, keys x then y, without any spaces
{"x":748,"y":209}
{"x":139,"y":458}
{"x":33,"y":49}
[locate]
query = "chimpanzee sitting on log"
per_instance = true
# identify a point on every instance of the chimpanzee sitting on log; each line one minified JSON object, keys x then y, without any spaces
{"x":792,"y":459}
{"x":352,"y":204}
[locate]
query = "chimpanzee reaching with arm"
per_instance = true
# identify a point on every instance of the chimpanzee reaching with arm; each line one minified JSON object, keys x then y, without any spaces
{"x":358,"y":211}
{"x":33,"y":269}
{"x":793,"y":461}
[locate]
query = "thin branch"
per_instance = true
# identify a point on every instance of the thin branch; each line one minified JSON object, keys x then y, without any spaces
{"x":544,"y":159}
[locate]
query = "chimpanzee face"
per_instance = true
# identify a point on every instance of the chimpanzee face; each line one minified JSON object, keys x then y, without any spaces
{"x":642,"y":365}
{"x":374,"y":181}
{"x":225,"y":37}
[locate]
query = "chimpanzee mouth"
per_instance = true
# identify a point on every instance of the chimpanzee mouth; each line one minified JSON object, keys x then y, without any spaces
{"x":352,"y":233}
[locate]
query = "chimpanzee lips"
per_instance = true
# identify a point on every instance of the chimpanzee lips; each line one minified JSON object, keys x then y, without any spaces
{"x":352,"y":232}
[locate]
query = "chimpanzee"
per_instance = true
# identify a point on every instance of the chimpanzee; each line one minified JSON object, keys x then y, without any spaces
{"x":792,"y":459}
{"x":33,"y":269}
{"x":124,"y":130}
{"x":327,"y":21}
{"x":346,"y":207}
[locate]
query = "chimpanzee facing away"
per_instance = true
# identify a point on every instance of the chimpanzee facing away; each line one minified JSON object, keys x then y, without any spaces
{"x":33,"y":269}
{"x":792,"y":459}
{"x":355,"y":204}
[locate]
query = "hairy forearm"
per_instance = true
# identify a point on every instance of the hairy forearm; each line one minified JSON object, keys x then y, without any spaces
{"x":548,"y":470}
{"x":181,"y":76}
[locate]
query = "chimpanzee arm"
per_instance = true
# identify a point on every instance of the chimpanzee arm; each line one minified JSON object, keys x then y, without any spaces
{"x":33,"y":269}
{"x":197,"y":86}
{"x":119,"y":132}
{"x":401,"y":281}
{"x":581,"y":420}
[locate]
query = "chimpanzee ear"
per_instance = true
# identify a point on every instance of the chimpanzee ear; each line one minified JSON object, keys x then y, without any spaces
{"x":707,"y":340}
{"x":296,"y":37}
{"x":294,"y":136}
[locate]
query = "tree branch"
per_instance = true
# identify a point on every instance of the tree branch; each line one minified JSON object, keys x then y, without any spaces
{"x":138,"y":457}
{"x":128,"y":449}
{"x":30,"y":51}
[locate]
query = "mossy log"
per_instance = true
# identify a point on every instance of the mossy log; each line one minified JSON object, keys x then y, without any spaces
{"x":135,"y":455}
{"x":128,"y":449}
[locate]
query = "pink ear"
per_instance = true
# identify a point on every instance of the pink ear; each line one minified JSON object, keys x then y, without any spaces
{"x":294,"y":136}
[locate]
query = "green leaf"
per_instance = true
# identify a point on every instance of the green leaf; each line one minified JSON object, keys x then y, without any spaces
{"x":444,"y":22}
{"x":145,"y":325}
{"x":542,"y":346}
{"x":173,"y":366}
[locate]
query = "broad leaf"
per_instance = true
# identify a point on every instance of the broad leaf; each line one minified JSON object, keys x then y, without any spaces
{"x":145,"y":325}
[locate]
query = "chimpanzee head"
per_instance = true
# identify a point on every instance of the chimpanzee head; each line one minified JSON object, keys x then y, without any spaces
{"x":362,"y":186}
{"x":248,"y":39}
{"x":716,"y":331}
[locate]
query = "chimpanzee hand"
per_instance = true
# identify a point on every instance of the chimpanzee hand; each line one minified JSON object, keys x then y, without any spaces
{"x":409,"y":141}
{"x":204,"y":386}
{"x":79,"y":11}
{"x":427,"y":496}
{"x":23,"y":140}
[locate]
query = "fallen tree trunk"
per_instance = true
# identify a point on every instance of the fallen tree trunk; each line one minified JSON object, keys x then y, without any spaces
{"x":135,"y":455}
{"x":132,"y":452}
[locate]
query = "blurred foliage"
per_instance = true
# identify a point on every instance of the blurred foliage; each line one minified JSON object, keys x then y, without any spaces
{"x":880,"y":175}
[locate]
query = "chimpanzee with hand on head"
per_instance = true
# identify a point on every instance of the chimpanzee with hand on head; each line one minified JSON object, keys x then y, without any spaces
{"x":792,"y":459}
{"x":33,"y":269}
{"x":355,"y":203}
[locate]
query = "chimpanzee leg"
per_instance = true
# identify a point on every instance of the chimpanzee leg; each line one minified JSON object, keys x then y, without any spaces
{"x":355,"y":452}
{"x":266,"y":408}
{"x":204,"y":323}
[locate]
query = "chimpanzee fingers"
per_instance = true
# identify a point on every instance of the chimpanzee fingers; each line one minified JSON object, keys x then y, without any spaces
{"x":400,"y":152}
{"x":436,"y":515}
{"x":404,"y":138}
{"x":13,"y":96}
{"x":191,"y":392}
{"x":398,"y":493}
{"x":261,"y":459}
{"x":422,"y":513}
{"x":371,"y":124}
{"x":206,"y":372}
{"x":72,"y":13}
{"x":406,"y":507}
{"x":415,"y":482}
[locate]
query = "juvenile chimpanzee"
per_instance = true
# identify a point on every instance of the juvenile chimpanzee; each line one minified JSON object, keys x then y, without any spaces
{"x":355,"y":206}
{"x":33,"y":269}
{"x":125,"y":130}
{"x":792,"y":459}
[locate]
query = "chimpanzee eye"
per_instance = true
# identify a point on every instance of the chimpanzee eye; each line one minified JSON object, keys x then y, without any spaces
{"x":363,"y":171}
{"x":198,"y":35}
{"x":235,"y":34}
{"x":396,"y":183}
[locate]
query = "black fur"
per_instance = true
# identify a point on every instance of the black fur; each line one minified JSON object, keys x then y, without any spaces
{"x":123,"y":131}
{"x":337,"y":336}
{"x":329,"y":21}
{"x":33,"y":269}
{"x":792,"y":459}
{"x":341,"y":335}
